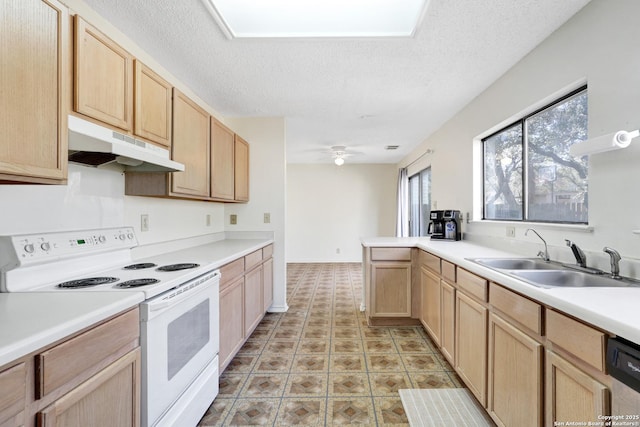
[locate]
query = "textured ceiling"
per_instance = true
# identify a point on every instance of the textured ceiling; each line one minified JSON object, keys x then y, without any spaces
{"x":364,"y":94}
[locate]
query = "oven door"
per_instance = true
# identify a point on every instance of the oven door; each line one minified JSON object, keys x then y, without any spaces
{"x":179,"y":339}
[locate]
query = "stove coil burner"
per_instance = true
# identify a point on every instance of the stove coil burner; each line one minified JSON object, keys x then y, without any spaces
{"x":137,"y":283}
{"x":176,"y":267}
{"x":139,"y":266}
{"x":88,"y":282}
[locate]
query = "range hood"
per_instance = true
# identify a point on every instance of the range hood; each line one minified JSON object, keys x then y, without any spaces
{"x":94,"y":145}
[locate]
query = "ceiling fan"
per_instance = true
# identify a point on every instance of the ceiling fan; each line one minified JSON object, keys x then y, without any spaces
{"x":339,"y":153}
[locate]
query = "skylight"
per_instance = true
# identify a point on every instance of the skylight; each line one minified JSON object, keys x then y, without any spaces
{"x":317,"y":18}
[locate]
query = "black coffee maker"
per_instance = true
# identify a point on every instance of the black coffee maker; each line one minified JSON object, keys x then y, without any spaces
{"x":445,"y":225}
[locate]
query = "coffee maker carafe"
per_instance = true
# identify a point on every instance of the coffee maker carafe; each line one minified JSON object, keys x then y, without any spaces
{"x":445,"y":225}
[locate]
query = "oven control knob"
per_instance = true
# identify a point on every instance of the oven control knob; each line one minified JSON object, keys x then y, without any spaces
{"x":130,"y":236}
{"x":102,"y":239}
{"x":29,"y":248}
{"x":45,"y":246}
{"x":121,"y":237}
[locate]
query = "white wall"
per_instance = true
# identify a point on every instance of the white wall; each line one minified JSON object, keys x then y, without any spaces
{"x":599,"y":46}
{"x":267,"y":192}
{"x":331,"y":207}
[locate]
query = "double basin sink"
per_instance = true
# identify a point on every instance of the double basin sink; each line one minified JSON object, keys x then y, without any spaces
{"x":552,"y":274}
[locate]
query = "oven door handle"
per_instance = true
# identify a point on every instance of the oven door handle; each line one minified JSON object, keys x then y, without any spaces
{"x":184,"y":291}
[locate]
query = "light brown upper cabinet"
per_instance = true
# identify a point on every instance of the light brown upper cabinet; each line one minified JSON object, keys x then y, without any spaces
{"x":190,"y":147}
{"x":241,"y":170}
{"x":103,"y":78}
{"x":34,"y":48}
{"x":222,"y":161}
{"x":152,"y":119}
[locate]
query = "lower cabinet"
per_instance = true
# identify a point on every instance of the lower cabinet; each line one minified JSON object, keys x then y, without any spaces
{"x":471,"y":345}
{"x":430,"y":306}
{"x":253,"y":306}
{"x":391,"y":291}
{"x":231,"y":321}
{"x":109,"y":398}
{"x":447,"y":318}
{"x":571,"y":394}
{"x":515,"y":374}
{"x":13,"y":387}
{"x":267,"y":284}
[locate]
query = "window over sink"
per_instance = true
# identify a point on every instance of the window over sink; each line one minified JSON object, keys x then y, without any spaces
{"x":528,"y":172}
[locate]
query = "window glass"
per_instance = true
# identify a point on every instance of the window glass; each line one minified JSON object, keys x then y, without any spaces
{"x":503,"y":174}
{"x":419,"y":202}
{"x":425,"y":184}
{"x":529,"y":173}
{"x":414,"y":205}
{"x":556,"y":181}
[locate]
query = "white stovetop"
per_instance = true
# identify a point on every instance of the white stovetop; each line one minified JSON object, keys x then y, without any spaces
{"x":612,"y":309}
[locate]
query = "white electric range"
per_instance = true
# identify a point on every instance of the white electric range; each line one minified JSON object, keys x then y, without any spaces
{"x":179,"y":319}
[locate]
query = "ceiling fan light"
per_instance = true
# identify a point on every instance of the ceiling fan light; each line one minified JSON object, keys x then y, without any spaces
{"x":339,"y":161}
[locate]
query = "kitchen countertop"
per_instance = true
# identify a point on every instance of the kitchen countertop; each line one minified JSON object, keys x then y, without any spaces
{"x":612,"y":309}
{"x":32,"y":320}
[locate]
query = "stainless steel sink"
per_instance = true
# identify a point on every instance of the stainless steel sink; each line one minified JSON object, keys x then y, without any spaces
{"x":517,"y":263}
{"x":565,"y":278}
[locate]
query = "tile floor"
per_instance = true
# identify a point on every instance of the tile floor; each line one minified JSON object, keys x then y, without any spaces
{"x":320,"y":364}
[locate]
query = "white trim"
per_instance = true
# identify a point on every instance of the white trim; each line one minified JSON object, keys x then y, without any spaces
{"x":554,"y":226}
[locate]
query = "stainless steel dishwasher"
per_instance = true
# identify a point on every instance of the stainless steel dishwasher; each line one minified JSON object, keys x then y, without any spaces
{"x":623,"y":363}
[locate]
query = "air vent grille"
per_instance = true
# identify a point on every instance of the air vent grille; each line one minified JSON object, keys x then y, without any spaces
{"x":391,"y":147}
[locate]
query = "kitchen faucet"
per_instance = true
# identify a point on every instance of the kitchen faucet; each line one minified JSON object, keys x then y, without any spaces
{"x":544,"y":255}
{"x":581,"y":258}
{"x":615,"y":260}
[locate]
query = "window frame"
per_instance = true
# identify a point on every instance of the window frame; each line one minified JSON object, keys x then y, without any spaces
{"x":525,"y":161}
{"x":423,"y":222}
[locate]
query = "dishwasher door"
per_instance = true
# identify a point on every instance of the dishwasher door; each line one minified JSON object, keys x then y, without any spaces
{"x":623,"y":363}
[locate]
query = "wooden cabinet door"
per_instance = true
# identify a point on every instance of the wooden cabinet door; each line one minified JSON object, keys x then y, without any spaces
{"x":515,"y":376}
{"x":109,"y":398}
{"x":430,"y":306}
{"x":571,"y":394}
{"x":241,"y":172}
{"x":190,"y":146}
{"x":252,"y":300}
{"x":222,"y":161}
{"x":34,"y":48}
{"x":391,"y":290}
{"x":152,"y":106}
{"x":447,"y":318}
{"x":471,"y":345}
{"x":103,"y":77}
{"x":231,"y":321}
{"x":267,"y":285}
{"x":13,"y":394}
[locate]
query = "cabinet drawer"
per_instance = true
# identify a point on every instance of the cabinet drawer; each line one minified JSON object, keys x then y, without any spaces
{"x":577,"y":338}
{"x":432,"y":262}
{"x":267,"y":252}
{"x":472,"y":284}
{"x":519,"y":308}
{"x":75,"y":359}
{"x":253,"y":259}
{"x":13,"y":383}
{"x":390,"y":254}
{"x":448,"y":271}
{"x":230,"y":272}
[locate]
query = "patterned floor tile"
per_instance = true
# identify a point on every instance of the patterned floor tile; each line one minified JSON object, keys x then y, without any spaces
{"x":252,"y":346}
{"x":287,"y":333}
{"x":313,"y":346}
{"x":253,"y":412}
{"x":356,"y":411}
{"x":231,"y":384}
{"x":404,"y":332}
{"x":380,"y":346}
{"x":241,"y":364}
{"x":341,"y":332}
{"x":431,"y":380}
{"x":281,"y":346}
{"x":346,"y":346}
{"x":388,"y":383}
{"x":347,"y":363}
{"x":265,"y":386}
{"x":216,"y":413}
{"x":312,"y":332}
{"x":384,"y":363}
{"x":369,"y":333}
{"x":270,"y":362}
{"x":390,"y":412}
{"x":422,"y":362}
{"x":302,"y":412}
{"x":310,"y":363}
{"x":349,"y":384}
{"x":416,"y":345}
{"x":306,"y":385}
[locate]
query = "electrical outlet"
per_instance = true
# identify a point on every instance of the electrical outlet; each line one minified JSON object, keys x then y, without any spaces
{"x":144,"y":222}
{"x":208,"y":220}
{"x":337,"y":250}
{"x":267,"y":217}
{"x":511,"y":232}
{"x":233,"y":219}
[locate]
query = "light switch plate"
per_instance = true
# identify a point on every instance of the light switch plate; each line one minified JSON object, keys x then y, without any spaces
{"x":233,"y":219}
{"x":267,"y":217}
{"x":144,"y":222}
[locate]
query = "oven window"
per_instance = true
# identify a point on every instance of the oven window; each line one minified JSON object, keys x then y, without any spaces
{"x":186,"y":336}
